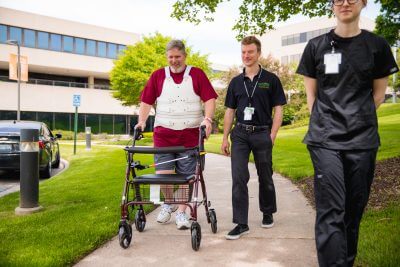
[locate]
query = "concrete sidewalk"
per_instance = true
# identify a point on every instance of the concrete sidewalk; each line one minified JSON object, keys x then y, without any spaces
{"x":289,"y":243}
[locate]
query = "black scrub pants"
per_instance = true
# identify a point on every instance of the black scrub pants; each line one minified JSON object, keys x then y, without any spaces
{"x":342,"y":182}
{"x":258,"y":142}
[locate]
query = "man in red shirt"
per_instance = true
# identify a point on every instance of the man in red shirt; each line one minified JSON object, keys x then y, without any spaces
{"x":179,"y":91}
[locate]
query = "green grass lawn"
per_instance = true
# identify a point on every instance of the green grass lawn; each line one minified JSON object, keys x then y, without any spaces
{"x":81,"y":211}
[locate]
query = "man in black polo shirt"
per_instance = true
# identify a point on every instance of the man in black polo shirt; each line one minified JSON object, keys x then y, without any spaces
{"x":250,"y":99}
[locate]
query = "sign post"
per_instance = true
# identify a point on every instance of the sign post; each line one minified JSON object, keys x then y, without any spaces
{"x":76,"y":102}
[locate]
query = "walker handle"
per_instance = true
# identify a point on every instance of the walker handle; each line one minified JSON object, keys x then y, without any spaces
{"x":137,"y":134}
{"x":202,"y":135}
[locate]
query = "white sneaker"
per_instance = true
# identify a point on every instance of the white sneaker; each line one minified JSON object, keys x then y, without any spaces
{"x":182,"y":221}
{"x":165,"y":214}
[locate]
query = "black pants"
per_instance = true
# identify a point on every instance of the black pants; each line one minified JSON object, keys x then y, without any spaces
{"x":342,"y":183}
{"x":260,"y":144}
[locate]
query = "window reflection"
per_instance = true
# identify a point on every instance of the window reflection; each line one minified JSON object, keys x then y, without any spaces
{"x":16,"y":34}
{"x":79,"y":46}
{"x":29,"y":38}
{"x":90,"y":47}
{"x":101,"y":49}
{"x":112,"y":50}
{"x":55,"y":42}
{"x":68,"y":44}
{"x":43,"y":40}
{"x":58,"y":42}
{"x":3,"y":34}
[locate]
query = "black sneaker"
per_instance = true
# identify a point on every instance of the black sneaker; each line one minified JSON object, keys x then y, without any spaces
{"x":237,"y":232}
{"x":268,"y":220}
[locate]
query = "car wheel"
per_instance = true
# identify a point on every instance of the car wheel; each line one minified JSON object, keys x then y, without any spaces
{"x":56,"y":164}
{"x":46,"y":173}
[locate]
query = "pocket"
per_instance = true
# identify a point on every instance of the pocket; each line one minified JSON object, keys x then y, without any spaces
{"x":317,"y":128}
{"x":366,"y":127}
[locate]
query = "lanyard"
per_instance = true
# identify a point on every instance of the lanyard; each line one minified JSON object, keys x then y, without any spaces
{"x":254,"y":87}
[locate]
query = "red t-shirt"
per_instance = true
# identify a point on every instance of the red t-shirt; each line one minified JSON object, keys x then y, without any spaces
{"x":202,"y":87}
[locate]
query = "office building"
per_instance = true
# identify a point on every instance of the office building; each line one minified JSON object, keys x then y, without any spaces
{"x":65,"y":58}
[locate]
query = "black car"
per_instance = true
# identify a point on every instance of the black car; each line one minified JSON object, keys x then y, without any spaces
{"x":49,"y":151}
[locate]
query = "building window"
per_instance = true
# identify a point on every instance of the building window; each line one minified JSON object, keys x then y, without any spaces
{"x":303,"y":37}
{"x":101,"y":49}
{"x":120,"y":124}
{"x":28,"y":116}
{"x":16,"y":34}
{"x":43,"y":40}
{"x":79,"y":46}
{"x":55,"y":42}
{"x":296,"y":38}
{"x":112,"y":50}
{"x":90,"y":47}
{"x":92,"y":121}
{"x":46,"y":117}
{"x":8,"y":115}
{"x":121,"y":48}
{"x":284,"y":40}
{"x":58,"y":42}
{"x":29,"y":38}
{"x":107,"y":124}
{"x":68,"y":44}
{"x":3,"y":34}
{"x":284,"y":60}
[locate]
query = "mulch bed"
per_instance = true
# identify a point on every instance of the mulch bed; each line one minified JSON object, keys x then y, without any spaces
{"x":385,"y":187}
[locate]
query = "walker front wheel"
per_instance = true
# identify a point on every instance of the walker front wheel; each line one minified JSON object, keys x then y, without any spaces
{"x":140,"y":220}
{"x":213,"y":220}
{"x":196,"y":235}
{"x":125,"y":235}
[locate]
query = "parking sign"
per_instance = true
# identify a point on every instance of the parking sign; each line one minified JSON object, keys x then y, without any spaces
{"x":76,"y":100}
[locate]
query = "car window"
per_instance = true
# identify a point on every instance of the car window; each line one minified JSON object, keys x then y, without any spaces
{"x":50,"y":133}
{"x":45,"y":132}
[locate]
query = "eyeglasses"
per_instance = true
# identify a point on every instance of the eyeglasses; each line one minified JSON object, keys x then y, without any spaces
{"x":341,"y":2}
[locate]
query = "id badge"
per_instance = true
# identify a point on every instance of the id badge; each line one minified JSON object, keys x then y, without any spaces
{"x":248,"y":113}
{"x":332,"y":62}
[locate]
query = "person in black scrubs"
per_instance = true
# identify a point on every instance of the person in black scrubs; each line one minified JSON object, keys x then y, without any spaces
{"x":345,"y":74}
{"x":252,"y":96}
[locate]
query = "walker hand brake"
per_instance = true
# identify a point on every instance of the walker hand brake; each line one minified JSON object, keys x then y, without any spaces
{"x":137,"y":165}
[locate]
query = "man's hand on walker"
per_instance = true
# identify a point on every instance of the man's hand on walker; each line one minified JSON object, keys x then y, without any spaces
{"x":141,"y":125}
{"x":208,"y":123}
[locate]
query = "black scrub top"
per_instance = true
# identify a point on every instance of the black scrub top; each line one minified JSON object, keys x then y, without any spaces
{"x":343,"y":116}
{"x":268,"y":93}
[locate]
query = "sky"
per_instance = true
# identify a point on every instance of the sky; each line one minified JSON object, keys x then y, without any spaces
{"x":145,"y":17}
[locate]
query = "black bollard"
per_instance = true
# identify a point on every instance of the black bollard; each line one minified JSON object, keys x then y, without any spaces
{"x":29,"y":172}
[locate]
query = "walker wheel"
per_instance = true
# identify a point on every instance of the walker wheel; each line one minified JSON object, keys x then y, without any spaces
{"x":196,"y":236}
{"x":125,"y":235}
{"x":213,"y":220}
{"x":140,"y":220}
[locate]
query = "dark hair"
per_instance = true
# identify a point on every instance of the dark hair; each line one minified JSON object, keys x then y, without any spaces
{"x":252,"y":40}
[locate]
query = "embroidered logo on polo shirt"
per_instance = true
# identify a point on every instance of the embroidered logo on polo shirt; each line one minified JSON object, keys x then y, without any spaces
{"x":263,"y":85}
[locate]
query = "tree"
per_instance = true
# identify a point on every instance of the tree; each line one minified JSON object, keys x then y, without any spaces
{"x":134,"y":66}
{"x":388,"y":22}
{"x":258,"y":16}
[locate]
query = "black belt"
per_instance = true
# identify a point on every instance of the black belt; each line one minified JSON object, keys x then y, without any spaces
{"x":252,"y":128}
